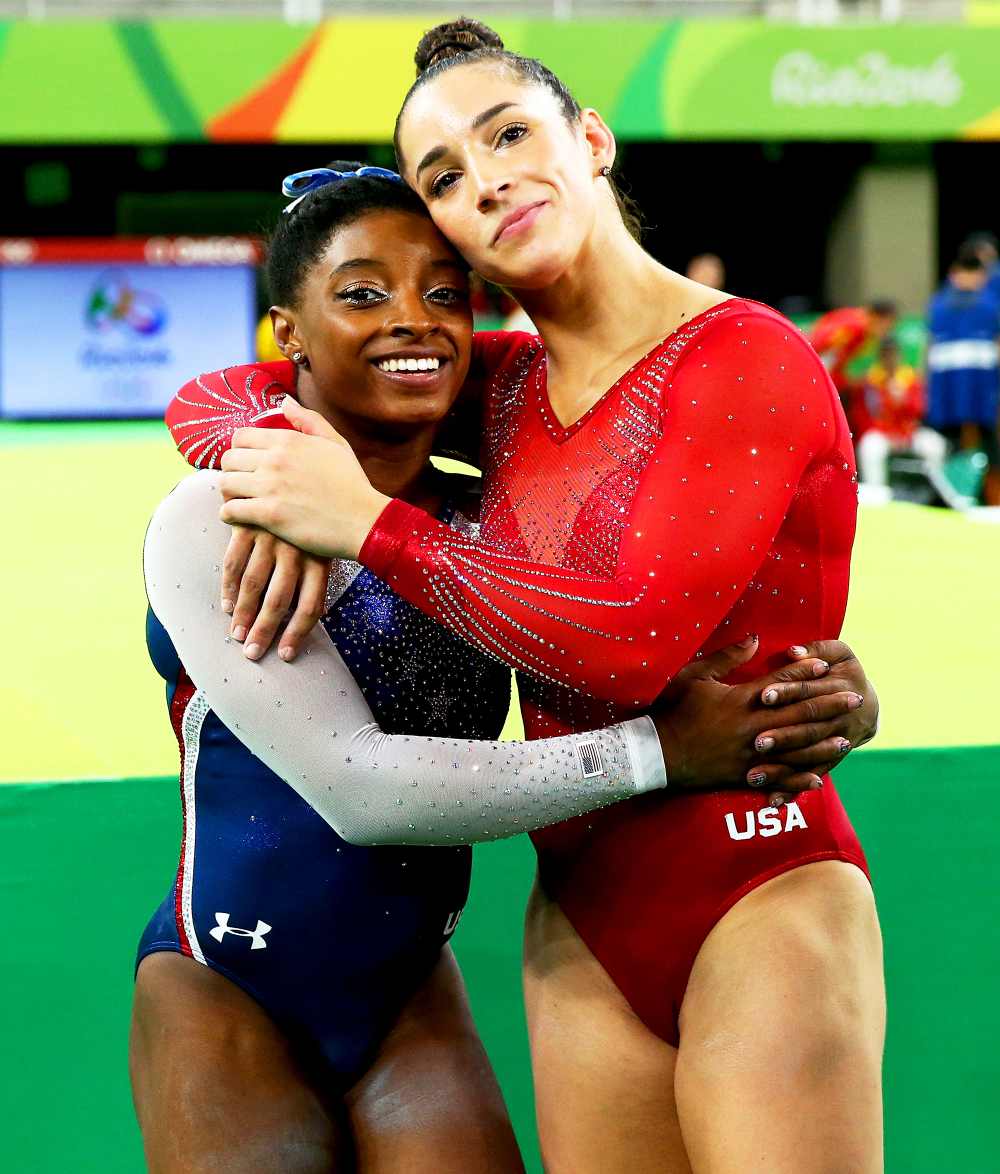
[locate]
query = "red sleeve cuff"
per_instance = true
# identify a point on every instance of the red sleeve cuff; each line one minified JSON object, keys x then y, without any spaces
{"x":394,"y":525}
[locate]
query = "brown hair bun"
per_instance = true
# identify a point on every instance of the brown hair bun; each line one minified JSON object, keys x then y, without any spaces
{"x":454,"y":39}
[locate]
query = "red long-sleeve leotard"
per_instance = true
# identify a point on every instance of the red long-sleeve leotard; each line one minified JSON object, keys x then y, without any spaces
{"x":708,"y":494}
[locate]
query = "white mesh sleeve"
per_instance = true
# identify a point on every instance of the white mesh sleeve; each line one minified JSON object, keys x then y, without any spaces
{"x":309,"y":722}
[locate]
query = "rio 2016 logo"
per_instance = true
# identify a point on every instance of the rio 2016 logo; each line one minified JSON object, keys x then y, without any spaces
{"x":114,"y":304}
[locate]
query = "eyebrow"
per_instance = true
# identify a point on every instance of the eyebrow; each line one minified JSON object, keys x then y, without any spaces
{"x":355,"y":263}
{"x":375,"y":263}
{"x":435,"y":153}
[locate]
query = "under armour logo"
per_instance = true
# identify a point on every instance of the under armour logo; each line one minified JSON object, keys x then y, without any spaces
{"x":257,"y":934}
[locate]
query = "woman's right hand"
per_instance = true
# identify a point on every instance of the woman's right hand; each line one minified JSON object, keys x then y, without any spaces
{"x":261,"y":578}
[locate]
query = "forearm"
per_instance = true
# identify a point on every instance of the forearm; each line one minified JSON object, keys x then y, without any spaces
{"x":310,"y":723}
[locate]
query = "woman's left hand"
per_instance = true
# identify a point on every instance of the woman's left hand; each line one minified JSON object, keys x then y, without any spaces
{"x":846,"y":674}
{"x":789,"y":746}
{"x":306,"y":486}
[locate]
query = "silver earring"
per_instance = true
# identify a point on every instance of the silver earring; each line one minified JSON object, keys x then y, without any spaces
{"x":605,"y":171}
{"x":297,"y":356}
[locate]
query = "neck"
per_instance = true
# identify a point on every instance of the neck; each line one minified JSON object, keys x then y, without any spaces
{"x":396,"y":461}
{"x":614,"y":294}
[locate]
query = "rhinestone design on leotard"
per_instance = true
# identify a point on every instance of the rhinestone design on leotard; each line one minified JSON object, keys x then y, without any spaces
{"x":204,"y":414}
{"x":416,"y":675}
{"x":708,"y":493}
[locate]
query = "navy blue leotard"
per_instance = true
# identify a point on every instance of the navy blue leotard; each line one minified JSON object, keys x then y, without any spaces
{"x":330,"y":938}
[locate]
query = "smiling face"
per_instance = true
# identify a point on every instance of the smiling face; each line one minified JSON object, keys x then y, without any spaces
{"x":384,"y":318}
{"x":506,"y":177}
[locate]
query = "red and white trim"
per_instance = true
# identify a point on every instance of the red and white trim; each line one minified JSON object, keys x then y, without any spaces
{"x":188,"y":711}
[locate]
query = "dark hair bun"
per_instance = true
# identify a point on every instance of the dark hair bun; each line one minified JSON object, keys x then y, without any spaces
{"x":344,"y":165}
{"x":454,"y":39}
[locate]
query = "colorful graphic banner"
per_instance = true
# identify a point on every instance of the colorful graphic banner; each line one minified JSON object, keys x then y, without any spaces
{"x":343,"y":80}
{"x":124,"y":320}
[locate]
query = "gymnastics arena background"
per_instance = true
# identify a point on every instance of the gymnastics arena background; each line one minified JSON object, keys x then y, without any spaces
{"x":89,"y":810}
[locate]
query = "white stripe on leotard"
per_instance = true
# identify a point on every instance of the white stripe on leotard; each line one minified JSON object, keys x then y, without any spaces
{"x":195,"y":713}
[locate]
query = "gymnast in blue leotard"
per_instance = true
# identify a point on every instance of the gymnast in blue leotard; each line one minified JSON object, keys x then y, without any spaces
{"x":297,"y":1005}
{"x":293,"y":982}
{"x":373,"y":922}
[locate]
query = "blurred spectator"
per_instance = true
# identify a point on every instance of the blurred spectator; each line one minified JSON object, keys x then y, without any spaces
{"x":708,"y":269}
{"x":841,"y":338}
{"x":963,"y":361}
{"x":895,"y":404}
{"x":986,"y":248}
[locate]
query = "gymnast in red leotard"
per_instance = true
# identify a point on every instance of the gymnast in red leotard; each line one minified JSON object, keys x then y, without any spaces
{"x":666,"y":469}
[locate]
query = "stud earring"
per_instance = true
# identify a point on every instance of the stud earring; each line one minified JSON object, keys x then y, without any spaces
{"x":297,"y":356}
{"x":605,"y":171}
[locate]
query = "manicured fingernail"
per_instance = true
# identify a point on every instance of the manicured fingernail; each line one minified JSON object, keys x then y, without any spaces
{"x":770,"y":696}
{"x":763,"y":743}
{"x":286,"y":653}
{"x":843,"y":745}
{"x":239,"y":633}
{"x":820,"y":668}
{"x":227,"y":606}
{"x":861,"y":699}
{"x":756,"y":780}
{"x":748,"y":640}
{"x":798,"y":650}
{"x":777,"y":800}
{"x":252,"y":651}
{"x":816,"y":785}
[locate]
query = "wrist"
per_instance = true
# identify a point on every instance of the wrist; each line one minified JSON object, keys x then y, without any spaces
{"x":674,"y":758}
{"x":366,"y":517}
{"x":649,"y":771}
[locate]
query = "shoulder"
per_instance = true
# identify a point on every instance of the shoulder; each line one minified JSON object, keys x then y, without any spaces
{"x":208,"y":409}
{"x":263,"y":383}
{"x":748,"y":360}
{"x":756,"y":329}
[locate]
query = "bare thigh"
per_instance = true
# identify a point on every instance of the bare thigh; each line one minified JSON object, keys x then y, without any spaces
{"x":604,"y":1083}
{"x":216,"y":1085}
{"x":782,"y":1031}
{"x":430,"y":1103}
{"x":219,"y":1088}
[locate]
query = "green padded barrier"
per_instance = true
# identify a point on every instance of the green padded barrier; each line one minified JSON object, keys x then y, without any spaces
{"x":84,"y":864}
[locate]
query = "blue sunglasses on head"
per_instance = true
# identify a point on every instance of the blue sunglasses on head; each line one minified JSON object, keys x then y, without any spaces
{"x":301,"y":183}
